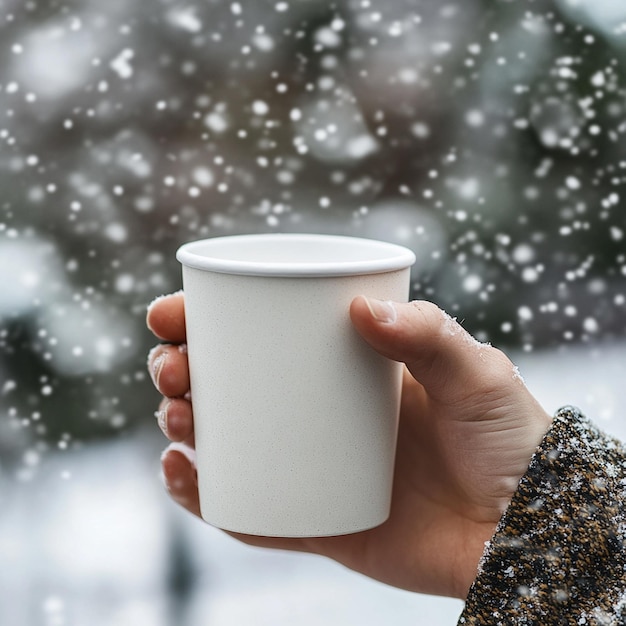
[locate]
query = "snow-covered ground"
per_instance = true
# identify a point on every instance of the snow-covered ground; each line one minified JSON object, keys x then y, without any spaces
{"x":93,"y":539}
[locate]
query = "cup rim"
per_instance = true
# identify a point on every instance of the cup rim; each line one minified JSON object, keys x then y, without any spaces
{"x":384,"y":256}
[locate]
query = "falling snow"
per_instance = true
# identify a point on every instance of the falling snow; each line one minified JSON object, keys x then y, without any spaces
{"x":489,"y":142}
{"x":121,"y":64}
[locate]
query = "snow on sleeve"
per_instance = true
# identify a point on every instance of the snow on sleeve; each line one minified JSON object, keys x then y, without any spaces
{"x":558,"y":555}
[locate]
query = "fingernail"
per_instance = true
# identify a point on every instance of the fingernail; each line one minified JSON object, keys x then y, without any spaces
{"x":382,"y":311}
{"x":161,"y":416}
{"x":162,"y":475}
{"x":164,"y":481}
{"x":157,"y":368}
{"x":149,"y":309}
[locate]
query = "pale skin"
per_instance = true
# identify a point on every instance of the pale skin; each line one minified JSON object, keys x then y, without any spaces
{"x":468,"y":429}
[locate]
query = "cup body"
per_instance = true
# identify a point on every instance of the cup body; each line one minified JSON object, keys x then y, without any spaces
{"x":295,"y":415}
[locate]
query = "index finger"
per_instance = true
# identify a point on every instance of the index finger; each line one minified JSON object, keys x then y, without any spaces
{"x":166,"y":317}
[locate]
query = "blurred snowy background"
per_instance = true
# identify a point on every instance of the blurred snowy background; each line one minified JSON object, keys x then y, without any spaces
{"x":487,"y":135}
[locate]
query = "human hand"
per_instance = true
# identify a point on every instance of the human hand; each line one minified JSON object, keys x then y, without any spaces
{"x":468,"y":428}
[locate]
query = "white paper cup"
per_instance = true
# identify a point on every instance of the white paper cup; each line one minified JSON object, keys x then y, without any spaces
{"x":295,"y":415}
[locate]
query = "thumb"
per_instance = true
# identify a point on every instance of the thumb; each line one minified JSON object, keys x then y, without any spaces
{"x":440,"y":354}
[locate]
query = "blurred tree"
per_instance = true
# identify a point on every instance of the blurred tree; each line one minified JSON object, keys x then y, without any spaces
{"x":485,"y":135}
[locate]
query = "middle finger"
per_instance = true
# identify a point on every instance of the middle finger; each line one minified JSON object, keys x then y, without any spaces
{"x":169,"y":369}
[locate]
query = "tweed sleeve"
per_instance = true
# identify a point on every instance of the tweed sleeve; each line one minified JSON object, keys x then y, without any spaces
{"x":558,"y":555}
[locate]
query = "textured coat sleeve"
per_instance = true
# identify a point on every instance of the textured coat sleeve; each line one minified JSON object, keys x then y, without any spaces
{"x":558,"y":555}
